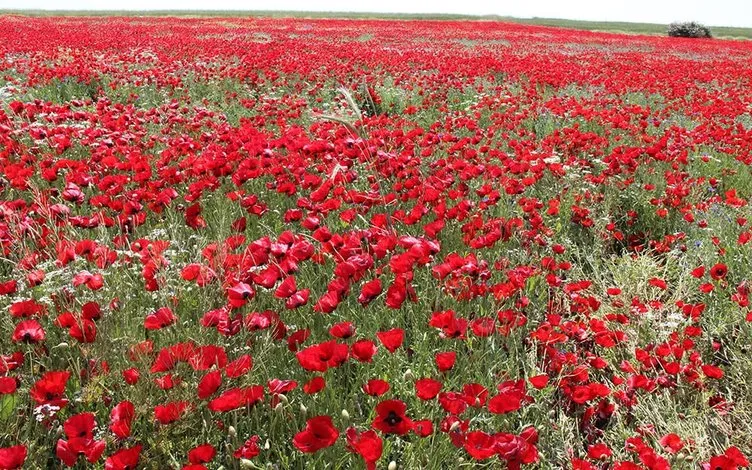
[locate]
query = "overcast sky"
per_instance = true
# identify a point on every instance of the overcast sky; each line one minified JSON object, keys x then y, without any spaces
{"x":710,"y":12}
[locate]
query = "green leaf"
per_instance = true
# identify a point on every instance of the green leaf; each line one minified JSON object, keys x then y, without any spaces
{"x":7,"y":406}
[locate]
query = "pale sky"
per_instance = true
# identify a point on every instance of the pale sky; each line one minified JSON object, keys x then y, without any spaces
{"x":709,"y":12}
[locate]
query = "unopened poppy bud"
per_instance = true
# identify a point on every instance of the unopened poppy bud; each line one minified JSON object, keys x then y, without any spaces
{"x":408,"y":375}
{"x":392,"y":465}
{"x":245,"y":463}
{"x":345,"y":414}
{"x":232,"y":432}
{"x":454,"y":426}
{"x":62,"y":345}
{"x":283,"y":398}
{"x":267,"y":445}
{"x":303,"y":409}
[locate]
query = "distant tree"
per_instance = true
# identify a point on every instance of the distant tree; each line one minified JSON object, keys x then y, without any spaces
{"x":689,"y":29}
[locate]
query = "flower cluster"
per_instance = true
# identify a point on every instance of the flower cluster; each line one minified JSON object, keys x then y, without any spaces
{"x":508,"y":245}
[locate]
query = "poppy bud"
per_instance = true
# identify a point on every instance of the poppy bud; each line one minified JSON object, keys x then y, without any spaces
{"x":232,"y":432}
{"x":303,"y":409}
{"x":392,"y":465}
{"x":345,"y":414}
{"x":408,"y":375}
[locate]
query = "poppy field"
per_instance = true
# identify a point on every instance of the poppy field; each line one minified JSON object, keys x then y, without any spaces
{"x":247,"y":243}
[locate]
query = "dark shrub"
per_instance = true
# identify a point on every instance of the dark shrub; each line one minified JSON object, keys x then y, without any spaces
{"x":689,"y":29}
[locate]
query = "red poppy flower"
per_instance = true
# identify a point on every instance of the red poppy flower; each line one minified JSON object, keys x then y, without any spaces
{"x":202,"y":454}
{"x":124,"y":459}
{"x":202,"y":275}
{"x":297,"y":299}
{"x":209,"y":384}
{"x":391,"y":339}
{"x":237,"y":398}
{"x":511,"y":396}
{"x":369,"y":291}
{"x":539,"y":381}
{"x":239,"y":366}
{"x":239,"y":294}
{"x":315,"y":385}
{"x":445,"y":360}
{"x":480,"y":445}
{"x":659,"y":283}
{"x":83,"y":330}
{"x":170,"y":412}
{"x":363,"y":350}
{"x":320,"y":357}
{"x":50,"y":388}
{"x":366,"y":444}
{"x":318,"y":434}
{"x":248,"y":450}
{"x":27,"y":308}
{"x":277,"y":386}
{"x":297,"y":338}
{"x":598,"y":451}
{"x":453,"y":403}
{"x":203,"y":358}
{"x":718,"y":271}
{"x":672,"y":443}
{"x":698,"y":272}
{"x":482,"y":326}
{"x":28,"y":331}
{"x":423,"y":427}
{"x":427,"y":388}
{"x":327,"y":303}
{"x":131,"y":376}
{"x":712,"y":371}
{"x":79,"y":429}
{"x":376,"y":387}
{"x":515,"y":450}
{"x":475,"y":394}
{"x":161,"y":318}
{"x":11,"y":362}
{"x":286,"y":288}
{"x":12,"y":458}
{"x":8,"y":287}
{"x":121,"y":419}
{"x":8,"y":385}
{"x":391,"y":418}
{"x":456,"y":428}
{"x":342,"y":330}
